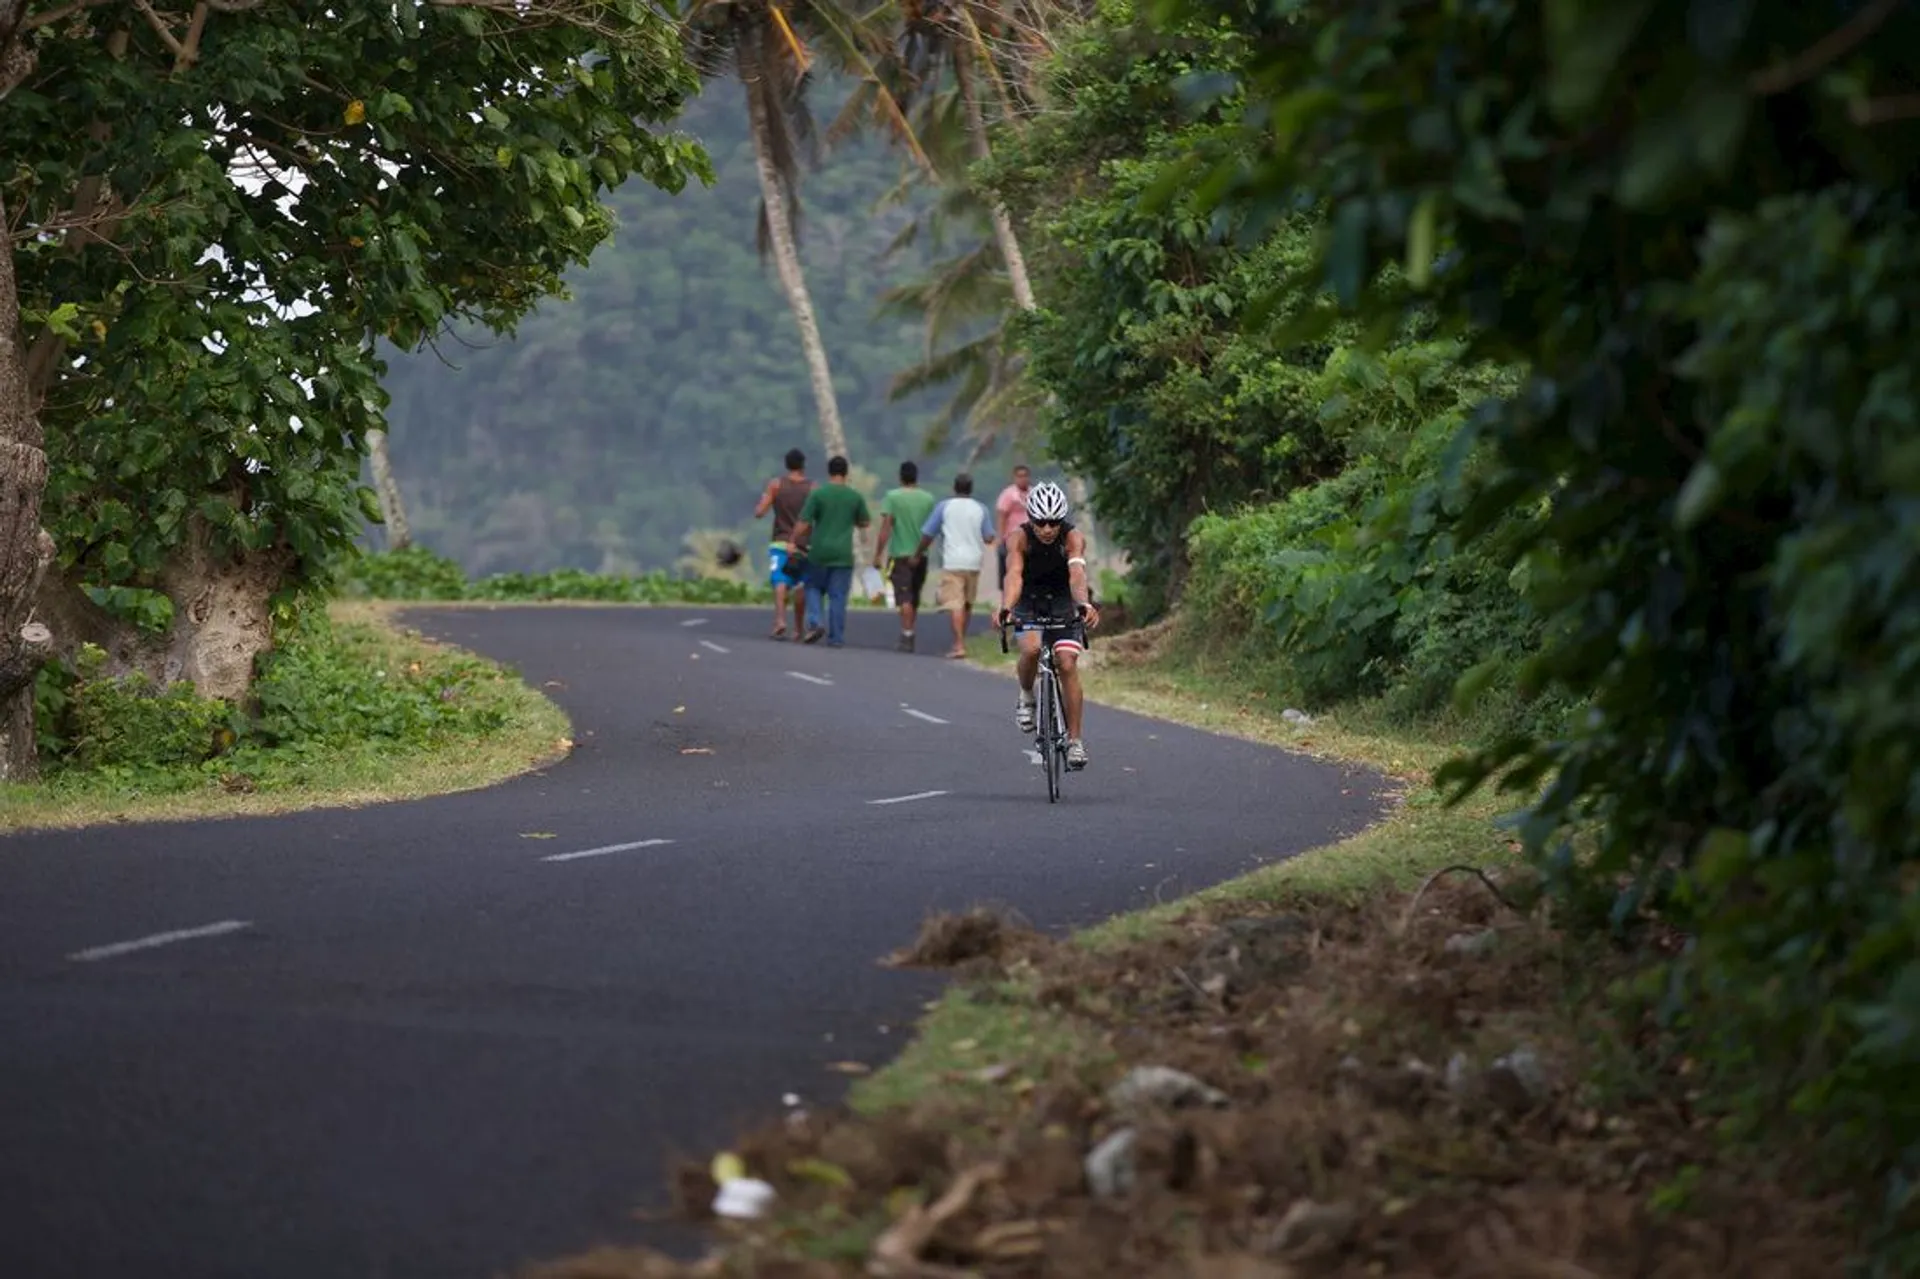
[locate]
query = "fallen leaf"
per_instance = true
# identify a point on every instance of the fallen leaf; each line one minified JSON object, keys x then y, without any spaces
{"x":727,"y":1166}
{"x":679,"y":710}
{"x":536,"y":834}
{"x":821,"y":1171}
{"x":696,"y":750}
{"x":1006,"y":1240}
{"x":849,"y":1067}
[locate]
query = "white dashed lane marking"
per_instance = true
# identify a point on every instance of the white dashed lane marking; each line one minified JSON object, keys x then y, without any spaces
{"x":695,"y":621}
{"x":602,"y":852}
{"x":931,"y":719}
{"x":902,"y":799}
{"x":159,"y":939}
{"x":709,"y":644}
{"x":811,"y":679}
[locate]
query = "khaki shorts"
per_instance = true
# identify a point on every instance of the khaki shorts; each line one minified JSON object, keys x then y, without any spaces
{"x":959,"y":588}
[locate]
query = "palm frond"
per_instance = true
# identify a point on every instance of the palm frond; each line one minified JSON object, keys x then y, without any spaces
{"x":943,"y":368}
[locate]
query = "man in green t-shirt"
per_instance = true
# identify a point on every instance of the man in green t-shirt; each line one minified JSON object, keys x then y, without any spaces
{"x":826,"y":526}
{"x":902,"y":512}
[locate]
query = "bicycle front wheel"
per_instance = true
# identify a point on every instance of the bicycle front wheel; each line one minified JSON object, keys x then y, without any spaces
{"x":1052,"y":736}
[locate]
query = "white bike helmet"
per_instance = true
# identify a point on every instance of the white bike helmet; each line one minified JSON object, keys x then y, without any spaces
{"x":1047,"y":501}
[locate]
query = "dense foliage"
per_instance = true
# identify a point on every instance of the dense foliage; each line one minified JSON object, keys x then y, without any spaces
{"x":662,"y":397}
{"x":360,"y":171}
{"x":1694,"y":226}
{"x":1294,"y":492}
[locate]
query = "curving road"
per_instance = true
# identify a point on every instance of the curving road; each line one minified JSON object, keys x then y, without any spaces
{"x":447,"y":1037}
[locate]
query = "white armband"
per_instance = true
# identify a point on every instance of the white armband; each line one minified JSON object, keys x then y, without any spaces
{"x":1076,"y":560}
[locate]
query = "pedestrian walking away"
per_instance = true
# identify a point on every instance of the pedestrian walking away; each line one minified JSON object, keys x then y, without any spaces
{"x":964,"y":528}
{"x":827,"y":521}
{"x":784,"y":495}
{"x":903,"y":512}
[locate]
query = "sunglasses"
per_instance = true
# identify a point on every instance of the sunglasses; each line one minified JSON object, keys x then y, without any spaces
{"x":1046,"y":523}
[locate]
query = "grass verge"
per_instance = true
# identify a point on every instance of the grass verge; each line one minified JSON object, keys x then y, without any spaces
{"x":493,"y":727}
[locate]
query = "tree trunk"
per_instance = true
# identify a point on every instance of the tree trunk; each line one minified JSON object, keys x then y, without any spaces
{"x":25,"y":548}
{"x":222,"y":619}
{"x":1003,"y":232}
{"x":392,"y":509}
{"x":1010,"y":254}
{"x":774,"y":194}
{"x":786,"y":258}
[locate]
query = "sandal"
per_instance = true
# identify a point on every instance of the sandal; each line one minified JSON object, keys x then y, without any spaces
{"x":779,"y":632}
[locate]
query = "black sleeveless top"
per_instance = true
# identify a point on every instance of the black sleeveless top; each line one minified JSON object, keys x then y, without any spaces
{"x":1044,"y":587}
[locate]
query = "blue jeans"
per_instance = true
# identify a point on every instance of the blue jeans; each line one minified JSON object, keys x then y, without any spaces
{"x":836,"y":584}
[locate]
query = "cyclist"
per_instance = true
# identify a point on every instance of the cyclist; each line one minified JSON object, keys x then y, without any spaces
{"x":1045,"y":590}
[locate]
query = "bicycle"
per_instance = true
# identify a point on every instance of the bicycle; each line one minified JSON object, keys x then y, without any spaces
{"x":1050,"y":712}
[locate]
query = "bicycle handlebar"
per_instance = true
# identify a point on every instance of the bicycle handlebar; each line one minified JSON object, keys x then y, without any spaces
{"x":1079,"y":614}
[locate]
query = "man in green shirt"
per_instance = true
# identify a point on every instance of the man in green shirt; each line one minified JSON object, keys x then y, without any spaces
{"x":902,"y":512}
{"x":826,"y":526}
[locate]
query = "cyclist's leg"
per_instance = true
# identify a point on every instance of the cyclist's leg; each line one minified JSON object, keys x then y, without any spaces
{"x":1026,"y":669}
{"x":1066,"y":659}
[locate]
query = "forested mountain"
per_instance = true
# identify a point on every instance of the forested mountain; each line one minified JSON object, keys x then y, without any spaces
{"x":663,"y":394}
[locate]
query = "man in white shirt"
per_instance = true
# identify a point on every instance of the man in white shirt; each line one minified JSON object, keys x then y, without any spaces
{"x":965,"y":529}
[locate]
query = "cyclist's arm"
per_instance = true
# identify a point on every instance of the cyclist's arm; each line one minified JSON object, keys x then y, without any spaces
{"x":1013,"y":581}
{"x":881,"y":538}
{"x":1077,"y":585}
{"x":766,"y":499}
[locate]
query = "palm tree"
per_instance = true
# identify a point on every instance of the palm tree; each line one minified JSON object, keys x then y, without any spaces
{"x":939,"y":36}
{"x":756,"y":40}
{"x":961,"y":303}
{"x":393,"y":509}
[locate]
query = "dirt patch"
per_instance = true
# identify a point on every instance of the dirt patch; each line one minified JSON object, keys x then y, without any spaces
{"x":1135,"y":647}
{"x":956,"y":941}
{"x":1328,"y":1092}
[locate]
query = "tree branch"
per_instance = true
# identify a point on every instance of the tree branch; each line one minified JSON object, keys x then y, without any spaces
{"x":196,"y":25}
{"x":1903,"y":106}
{"x":165,"y":32}
{"x":1823,"y":52}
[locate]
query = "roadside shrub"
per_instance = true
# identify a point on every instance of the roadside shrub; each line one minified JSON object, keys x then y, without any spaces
{"x":411,"y":574}
{"x":319,"y":688}
{"x":1355,"y":587}
{"x":420,"y":574}
{"x":127,"y":723}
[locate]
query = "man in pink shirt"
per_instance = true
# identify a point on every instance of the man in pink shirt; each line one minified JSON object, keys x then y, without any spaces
{"x":1010,"y":510}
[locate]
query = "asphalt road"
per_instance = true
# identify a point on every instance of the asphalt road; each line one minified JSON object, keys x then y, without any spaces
{"x":448,"y":1037}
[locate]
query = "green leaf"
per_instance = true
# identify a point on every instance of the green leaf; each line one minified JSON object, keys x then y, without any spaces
{"x":1422,"y":231}
{"x":1699,"y":495}
{"x":1585,"y":41}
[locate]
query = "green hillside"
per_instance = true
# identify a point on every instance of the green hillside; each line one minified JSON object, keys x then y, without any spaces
{"x":661,"y":396}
